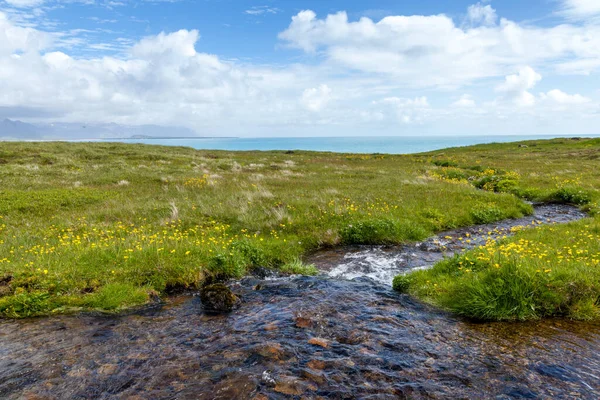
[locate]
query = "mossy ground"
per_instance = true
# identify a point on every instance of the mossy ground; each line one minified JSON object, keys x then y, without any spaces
{"x":107,"y":226}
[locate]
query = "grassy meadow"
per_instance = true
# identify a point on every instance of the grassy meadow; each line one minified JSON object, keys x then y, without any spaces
{"x":103,"y":226}
{"x":548,"y":271}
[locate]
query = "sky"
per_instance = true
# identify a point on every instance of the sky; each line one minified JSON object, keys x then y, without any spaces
{"x":305,"y":67}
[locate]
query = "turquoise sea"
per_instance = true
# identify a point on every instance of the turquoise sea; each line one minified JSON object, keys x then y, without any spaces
{"x":390,"y":145}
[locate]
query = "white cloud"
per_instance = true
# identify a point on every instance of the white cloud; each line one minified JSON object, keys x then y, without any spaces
{"x":465,"y":101}
{"x":180,"y":43}
{"x":163,"y":80}
{"x":417,"y":102}
{"x":24,"y":3}
{"x":17,"y":39}
{"x":559,"y":97}
{"x":404,"y":110}
{"x":399,"y":75}
{"x":261,"y":10}
{"x":315,"y":99}
{"x":515,"y":87}
{"x":432,"y":51}
{"x":581,"y":8}
{"x":480,"y":14}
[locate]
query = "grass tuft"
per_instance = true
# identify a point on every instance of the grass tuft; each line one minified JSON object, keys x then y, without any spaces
{"x":297,"y":267}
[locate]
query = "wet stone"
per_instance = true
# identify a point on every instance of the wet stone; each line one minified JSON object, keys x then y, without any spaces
{"x":352,"y":338}
{"x":290,"y":386}
{"x":302,"y":322}
{"x":316,"y":364}
{"x":239,"y":387}
{"x":218,"y":298}
{"x":272,"y":351}
{"x":319,"y":342}
{"x":315,"y":376}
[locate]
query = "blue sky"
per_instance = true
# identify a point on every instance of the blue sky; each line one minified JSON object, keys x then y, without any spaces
{"x":305,"y":68}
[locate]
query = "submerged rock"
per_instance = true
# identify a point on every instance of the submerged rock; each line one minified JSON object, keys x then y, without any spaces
{"x":218,"y":298}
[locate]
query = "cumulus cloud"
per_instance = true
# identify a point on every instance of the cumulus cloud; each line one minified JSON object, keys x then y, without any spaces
{"x":24,"y":3}
{"x":417,"y":102}
{"x":559,"y":97}
{"x":581,"y":8}
{"x":163,"y":80}
{"x":315,"y":99}
{"x":433,"y":51}
{"x":480,"y":14}
{"x":178,"y":44}
{"x":515,"y":87}
{"x":18,"y":39}
{"x":465,"y":101}
{"x":368,"y":76}
{"x":404,"y":110}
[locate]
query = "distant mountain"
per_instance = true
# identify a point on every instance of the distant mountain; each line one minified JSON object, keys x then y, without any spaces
{"x":20,"y":130}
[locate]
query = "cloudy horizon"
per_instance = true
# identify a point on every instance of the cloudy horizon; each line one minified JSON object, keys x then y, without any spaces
{"x":297,"y":68}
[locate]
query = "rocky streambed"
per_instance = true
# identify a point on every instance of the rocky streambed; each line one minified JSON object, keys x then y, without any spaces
{"x":342,"y":335}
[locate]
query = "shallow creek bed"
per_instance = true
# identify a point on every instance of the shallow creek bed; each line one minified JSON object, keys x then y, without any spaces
{"x":342,"y":335}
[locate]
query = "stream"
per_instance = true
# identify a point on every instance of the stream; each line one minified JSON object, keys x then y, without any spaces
{"x":341,"y":335}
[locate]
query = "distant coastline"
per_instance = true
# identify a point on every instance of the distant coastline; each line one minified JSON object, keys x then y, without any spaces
{"x":146,"y":137}
{"x":355,"y":145}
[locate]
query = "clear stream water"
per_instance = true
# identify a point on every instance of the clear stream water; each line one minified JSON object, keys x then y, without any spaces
{"x":342,"y":335}
{"x":390,"y":145}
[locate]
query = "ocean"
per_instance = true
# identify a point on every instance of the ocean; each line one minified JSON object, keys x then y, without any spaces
{"x":389,"y":145}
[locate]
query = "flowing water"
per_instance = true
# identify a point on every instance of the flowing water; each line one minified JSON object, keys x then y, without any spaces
{"x":383,"y":263}
{"x":307,"y":337}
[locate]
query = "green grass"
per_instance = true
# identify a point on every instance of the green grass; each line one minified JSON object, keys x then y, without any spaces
{"x":551,"y":271}
{"x":103,"y":226}
{"x":297,"y":267}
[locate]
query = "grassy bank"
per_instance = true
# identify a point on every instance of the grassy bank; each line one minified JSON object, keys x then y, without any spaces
{"x":544,"y":272}
{"x":106,"y":226}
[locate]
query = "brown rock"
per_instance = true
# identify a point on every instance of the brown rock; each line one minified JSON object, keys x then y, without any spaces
{"x":234,"y":387}
{"x":316,"y":364}
{"x":319,"y":342}
{"x":107,"y":369}
{"x":315,"y":376}
{"x":289,"y":386}
{"x":271,"y":327}
{"x":273,"y":351}
{"x":352,"y":338}
{"x":218,"y":298}
{"x":302,"y":322}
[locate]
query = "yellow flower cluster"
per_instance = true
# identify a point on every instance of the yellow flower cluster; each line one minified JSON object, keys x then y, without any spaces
{"x":197,"y":183}
{"x":583,"y":247}
{"x":448,"y":174}
{"x":52,"y":246}
{"x":562,"y":182}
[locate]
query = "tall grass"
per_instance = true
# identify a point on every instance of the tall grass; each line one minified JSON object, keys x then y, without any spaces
{"x":96,"y":225}
{"x":107,"y":226}
{"x":549,"y":271}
